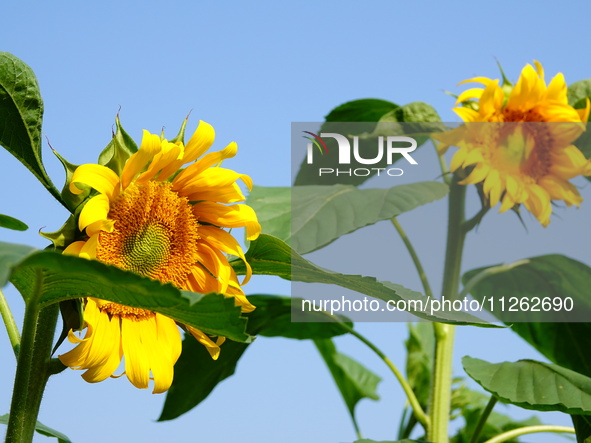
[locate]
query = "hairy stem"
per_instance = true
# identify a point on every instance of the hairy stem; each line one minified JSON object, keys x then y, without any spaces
{"x":440,"y":402}
{"x":33,"y":367}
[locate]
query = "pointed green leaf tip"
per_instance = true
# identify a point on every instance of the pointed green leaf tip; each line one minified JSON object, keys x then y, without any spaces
{"x":21,"y":108}
{"x":119,"y":149}
{"x":9,"y":222}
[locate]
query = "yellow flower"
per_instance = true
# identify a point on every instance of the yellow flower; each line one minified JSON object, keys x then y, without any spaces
{"x":523,"y":152}
{"x":166,"y":223}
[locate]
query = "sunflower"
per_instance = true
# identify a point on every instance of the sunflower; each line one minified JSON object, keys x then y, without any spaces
{"x":166,"y":223}
{"x":516,"y":142}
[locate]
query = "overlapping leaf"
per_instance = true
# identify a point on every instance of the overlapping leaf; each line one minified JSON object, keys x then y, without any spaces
{"x":51,"y":277}
{"x":270,"y":256}
{"x":562,"y":342}
{"x":311,"y":217}
{"x":533,"y":385}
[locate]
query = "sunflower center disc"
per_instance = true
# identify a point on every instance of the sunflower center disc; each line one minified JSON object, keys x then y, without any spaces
{"x":155,"y":234}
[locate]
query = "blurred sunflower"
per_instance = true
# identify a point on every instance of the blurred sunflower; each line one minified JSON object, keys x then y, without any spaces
{"x":516,"y":142}
{"x":163,"y":222}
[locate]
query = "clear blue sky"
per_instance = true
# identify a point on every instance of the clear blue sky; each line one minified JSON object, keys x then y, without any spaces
{"x":250,"y":69}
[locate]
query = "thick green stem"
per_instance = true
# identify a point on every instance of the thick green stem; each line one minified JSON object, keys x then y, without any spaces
{"x":510,"y":435}
{"x":415,"y":258}
{"x":412,"y":398}
{"x":33,"y":367}
{"x":11,"y":328}
{"x":440,"y":402}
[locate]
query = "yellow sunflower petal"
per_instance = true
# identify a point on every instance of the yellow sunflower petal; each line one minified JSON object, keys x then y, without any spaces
{"x":98,"y":177}
{"x":225,"y":242}
{"x":484,"y":80}
{"x":96,"y":209}
{"x":137,"y":363}
{"x":202,"y":164}
{"x":100,"y":372}
{"x":568,"y":163}
{"x":466,"y":114}
{"x":88,"y":250}
{"x":200,"y":142}
{"x":74,"y":248}
{"x":200,"y":280}
{"x":235,"y":290}
{"x":212,"y":347}
{"x":159,"y":353}
{"x":557,"y":89}
{"x":478,"y":174}
{"x":469,"y":94}
{"x":561,"y":190}
{"x":151,"y":145}
{"x":539,"y":204}
{"x":169,"y":158}
{"x":213,"y":178}
{"x":233,"y":216}
{"x":214,"y":262}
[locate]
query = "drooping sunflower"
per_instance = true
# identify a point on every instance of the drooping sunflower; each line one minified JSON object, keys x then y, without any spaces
{"x":166,"y":223}
{"x":517,"y":142}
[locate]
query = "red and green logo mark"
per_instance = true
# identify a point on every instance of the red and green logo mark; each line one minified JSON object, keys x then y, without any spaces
{"x":318,"y":142}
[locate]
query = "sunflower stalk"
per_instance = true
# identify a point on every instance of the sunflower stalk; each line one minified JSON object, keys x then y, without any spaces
{"x":32,"y":370}
{"x":440,"y":401}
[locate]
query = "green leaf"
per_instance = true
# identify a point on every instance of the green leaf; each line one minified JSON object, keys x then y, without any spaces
{"x":271,"y":318}
{"x":21,"y":114}
{"x":372,"y":112}
{"x":495,"y":424}
{"x":582,"y":427}
{"x":65,"y":235}
{"x":546,"y":276}
{"x":462,"y":397}
{"x":533,"y":385}
{"x":9,"y":222}
{"x":363,"y":110}
{"x":71,"y":200}
{"x":321,"y":214}
{"x":119,"y":149}
{"x":196,"y":374}
{"x":65,"y":277}
{"x":270,"y":256}
{"x":274,"y":316}
{"x":43,"y":430}
{"x":273,"y":208}
{"x":578,"y":91}
{"x":564,"y":343}
{"x":420,"y":347}
{"x":355,"y":381}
